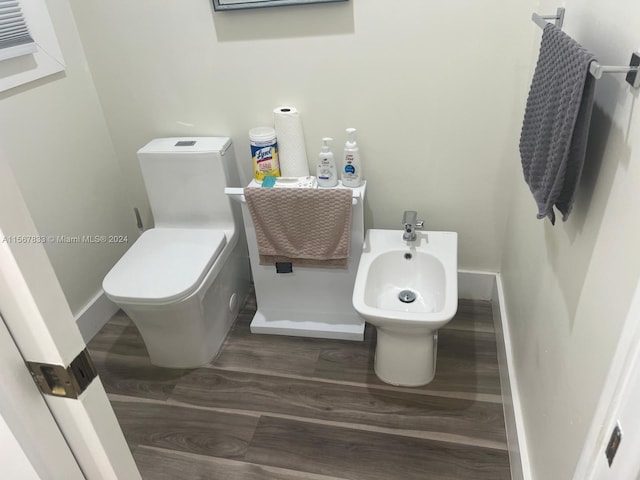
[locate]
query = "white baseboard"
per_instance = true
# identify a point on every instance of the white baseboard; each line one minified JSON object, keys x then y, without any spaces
{"x":514,"y":421}
{"x":94,"y":315}
{"x":488,"y":286}
{"x":476,"y":285}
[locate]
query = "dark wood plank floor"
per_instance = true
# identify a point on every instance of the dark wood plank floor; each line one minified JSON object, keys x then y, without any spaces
{"x":290,"y":408}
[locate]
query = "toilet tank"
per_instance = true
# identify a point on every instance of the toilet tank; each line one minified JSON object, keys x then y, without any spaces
{"x":185,"y":180}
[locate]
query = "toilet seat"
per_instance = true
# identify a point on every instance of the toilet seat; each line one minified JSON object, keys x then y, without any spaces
{"x":163,"y":265}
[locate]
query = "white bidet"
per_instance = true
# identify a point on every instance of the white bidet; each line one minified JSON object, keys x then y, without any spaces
{"x":407,"y":290}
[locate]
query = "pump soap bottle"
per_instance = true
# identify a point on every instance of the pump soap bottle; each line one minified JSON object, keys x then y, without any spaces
{"x":352,"y":168}
{"x":326,"y":171}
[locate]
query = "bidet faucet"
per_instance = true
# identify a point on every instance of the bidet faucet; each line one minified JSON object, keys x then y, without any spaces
{"x":410,"y":224}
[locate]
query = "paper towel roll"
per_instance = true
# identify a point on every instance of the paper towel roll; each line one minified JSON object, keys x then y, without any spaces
{"x":292,"y":152}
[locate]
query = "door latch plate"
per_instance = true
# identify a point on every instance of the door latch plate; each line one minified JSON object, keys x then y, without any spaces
{"x":60,"y":381}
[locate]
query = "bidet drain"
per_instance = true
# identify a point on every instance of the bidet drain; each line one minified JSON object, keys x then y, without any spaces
{"x":407,"y":296}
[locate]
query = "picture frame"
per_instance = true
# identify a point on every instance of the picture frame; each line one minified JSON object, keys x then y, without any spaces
{"x":223,"y":5}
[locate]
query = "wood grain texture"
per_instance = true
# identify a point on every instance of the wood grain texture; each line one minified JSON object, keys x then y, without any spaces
{"x":341,"y":403}
{"x":121,"y":358}
{"x":474,"y":315}
{"x":119,"y":336}
{"x":277,"y":407}
{"x":276,"y":353}
{"x":365,"y":455}
{"x":185,"y":429}
{"x":466,"y":362}
{"x":162,"y":464}
{"x":135,"y":375}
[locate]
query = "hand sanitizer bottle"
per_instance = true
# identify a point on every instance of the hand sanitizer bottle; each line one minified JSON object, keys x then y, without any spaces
{"x":326,"y":171}
{"x":352,"y":168}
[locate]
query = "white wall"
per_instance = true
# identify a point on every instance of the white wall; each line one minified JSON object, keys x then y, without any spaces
{"x":437,"y":91}
{"x":569,"y":287}
{"x":15,"y":461}
{"x":54,"y":134}
{"x":434,"y":88}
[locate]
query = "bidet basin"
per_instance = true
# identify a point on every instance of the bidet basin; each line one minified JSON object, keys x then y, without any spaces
{"x":407,"y":290}
{"x":426,"y":266}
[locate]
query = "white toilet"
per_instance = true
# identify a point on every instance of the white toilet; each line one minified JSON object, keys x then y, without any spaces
{"x":182,"y":281}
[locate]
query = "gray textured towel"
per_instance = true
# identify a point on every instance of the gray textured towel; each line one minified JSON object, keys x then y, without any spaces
{"x":556,"y":122}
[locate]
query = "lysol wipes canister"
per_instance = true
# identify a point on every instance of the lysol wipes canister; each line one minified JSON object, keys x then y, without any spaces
{"x":264,"y":152}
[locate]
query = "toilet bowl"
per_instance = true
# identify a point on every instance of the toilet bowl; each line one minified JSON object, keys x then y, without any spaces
{"x":182,"y":281}
{"x":407,"y":290}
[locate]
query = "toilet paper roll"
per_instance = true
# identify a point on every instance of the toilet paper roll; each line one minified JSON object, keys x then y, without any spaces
{"x":292,"y":152}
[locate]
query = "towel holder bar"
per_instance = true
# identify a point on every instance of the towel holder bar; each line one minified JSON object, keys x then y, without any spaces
{"x":595,"y":68}
{"x":541,"y":19}
{"x":238,"y":194}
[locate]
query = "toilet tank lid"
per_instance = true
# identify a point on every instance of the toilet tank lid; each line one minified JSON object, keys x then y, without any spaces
{"x":163,"y":265}
{"x":187,"y":145}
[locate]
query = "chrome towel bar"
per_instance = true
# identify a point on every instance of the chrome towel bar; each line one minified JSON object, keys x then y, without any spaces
{"x":595,"y":68}
{"x":541,"y":19}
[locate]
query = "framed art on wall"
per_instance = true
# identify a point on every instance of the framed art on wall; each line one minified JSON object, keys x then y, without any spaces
{"x":220,"y":5}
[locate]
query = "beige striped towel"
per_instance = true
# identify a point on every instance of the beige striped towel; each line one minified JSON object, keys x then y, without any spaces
{"x":307,"y":227}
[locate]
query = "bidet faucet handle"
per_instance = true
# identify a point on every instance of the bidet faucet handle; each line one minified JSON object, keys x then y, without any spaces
{"x":409,"y":224}
{"x":409,"y":217}
{"x":419,"y":224}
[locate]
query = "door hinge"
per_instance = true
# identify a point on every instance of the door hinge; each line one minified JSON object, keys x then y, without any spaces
{"x":60,"y":381}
